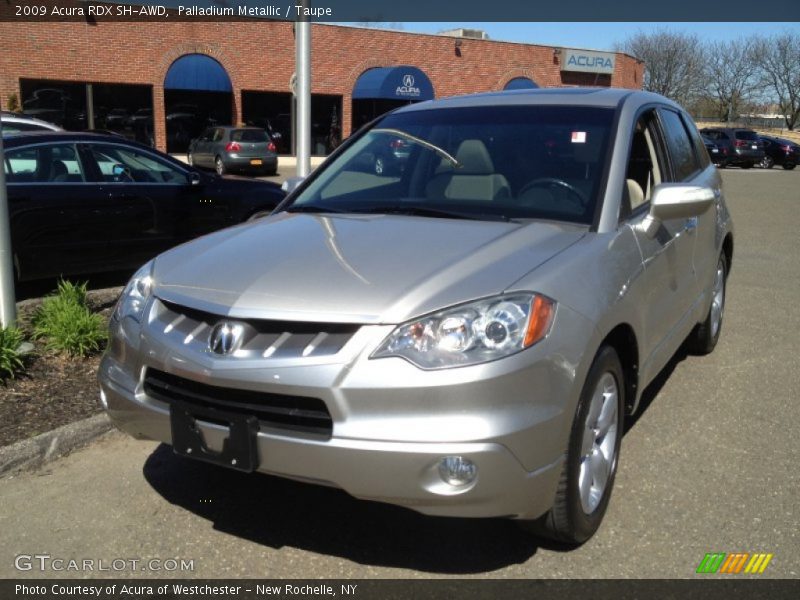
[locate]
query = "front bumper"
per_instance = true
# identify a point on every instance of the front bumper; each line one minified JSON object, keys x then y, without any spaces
{"x":393,"y":423}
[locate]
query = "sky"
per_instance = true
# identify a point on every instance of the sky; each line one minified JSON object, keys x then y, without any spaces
{"x":599,"y":36}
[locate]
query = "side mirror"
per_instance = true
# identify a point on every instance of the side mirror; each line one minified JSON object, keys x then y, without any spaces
{"x":118,"y":170}
{"x":676,"y":201}
{"x":291,"y":184}
{"x":194,"y":178}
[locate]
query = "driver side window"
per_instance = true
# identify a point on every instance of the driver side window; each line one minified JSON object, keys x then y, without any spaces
{"x":643,"y":170}
{"x":119,"y":164}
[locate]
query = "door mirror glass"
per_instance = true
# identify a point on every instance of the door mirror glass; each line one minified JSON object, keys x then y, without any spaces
{"x":194,"y":178}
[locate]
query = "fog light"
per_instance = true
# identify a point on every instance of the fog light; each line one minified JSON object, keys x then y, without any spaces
{"x":457,"y":470}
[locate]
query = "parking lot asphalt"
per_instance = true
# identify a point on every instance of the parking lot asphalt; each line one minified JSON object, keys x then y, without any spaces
{"x":709,"y":465}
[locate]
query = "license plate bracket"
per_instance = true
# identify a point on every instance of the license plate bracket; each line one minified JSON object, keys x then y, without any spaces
{"x":239,"y":450}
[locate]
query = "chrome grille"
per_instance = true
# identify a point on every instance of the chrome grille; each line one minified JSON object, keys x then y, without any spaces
{"x":262,"y":338}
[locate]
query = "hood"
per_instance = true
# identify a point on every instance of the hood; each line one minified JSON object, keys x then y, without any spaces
{"x":354,"y":269}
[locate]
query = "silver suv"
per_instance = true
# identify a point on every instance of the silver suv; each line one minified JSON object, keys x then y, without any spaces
{"x":462,"y":337}
{"x":19,"y":123}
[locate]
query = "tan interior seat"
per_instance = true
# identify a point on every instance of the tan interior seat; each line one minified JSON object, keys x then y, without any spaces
{"x":473,"y":180}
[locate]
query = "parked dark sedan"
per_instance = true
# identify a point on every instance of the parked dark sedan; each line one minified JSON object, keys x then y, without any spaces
{"x":713,"y":149}
{"x":88,"y":203}
{"x":227,"y":149}
{"x":742,"y":146}
{"x":778,"y":151}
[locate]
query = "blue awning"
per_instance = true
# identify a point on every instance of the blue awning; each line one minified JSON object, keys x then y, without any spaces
{"x":521,"y":83}
{"x":197,"y":72}
{"x":393,"y":83}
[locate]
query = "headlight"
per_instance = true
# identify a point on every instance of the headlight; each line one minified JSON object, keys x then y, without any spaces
{"x":135,"y":295}
{"x":472,"y":333}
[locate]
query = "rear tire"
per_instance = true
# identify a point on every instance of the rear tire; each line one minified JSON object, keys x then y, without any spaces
{"x":190,"y":159}
{"x":789,"y":166}
{"x":220,"y":166}
{"x":767,"y":162}
{"x":587,"y":476}
{"x":705,"y":335}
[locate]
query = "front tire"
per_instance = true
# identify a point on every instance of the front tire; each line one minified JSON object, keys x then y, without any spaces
{"x":705,"y":335}
{"x":789,"y":166}
{"x":190,"y":159}
{"x":767,"y":162}
{"x":587,"y":476}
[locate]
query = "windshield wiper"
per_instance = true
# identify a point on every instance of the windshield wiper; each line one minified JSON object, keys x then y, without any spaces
{"x":425,"y":143}
{"x":313,"y":208}
{"x":425,"y":211}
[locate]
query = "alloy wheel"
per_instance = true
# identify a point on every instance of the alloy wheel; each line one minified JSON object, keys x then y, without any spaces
{"x":598,"y":450}
{"x":718,"y":299}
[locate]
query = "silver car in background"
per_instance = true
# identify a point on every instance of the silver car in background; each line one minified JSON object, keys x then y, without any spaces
{"x":463,"y":337}
{"x":231,"y":149}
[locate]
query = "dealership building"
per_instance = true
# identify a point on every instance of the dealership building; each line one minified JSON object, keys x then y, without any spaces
{"x":163,"y":82}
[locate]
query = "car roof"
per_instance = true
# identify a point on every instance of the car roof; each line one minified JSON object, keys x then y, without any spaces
{"x":597,"y":97}
{"x":40,"y":137}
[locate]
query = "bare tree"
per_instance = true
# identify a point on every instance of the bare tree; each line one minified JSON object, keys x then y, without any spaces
{"x":731,"y":74}
{"x":673,"y":62}
{"x":778,"y":59}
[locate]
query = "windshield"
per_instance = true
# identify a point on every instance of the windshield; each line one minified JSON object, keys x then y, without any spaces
{"x":493,"y":162}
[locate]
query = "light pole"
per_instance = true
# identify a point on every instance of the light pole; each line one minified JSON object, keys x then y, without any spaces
{"x":8,"y":306}
{"x":303,"y":114}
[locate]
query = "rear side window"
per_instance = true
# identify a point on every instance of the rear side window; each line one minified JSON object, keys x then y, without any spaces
{"x":746,"y":134}
{"x":697,"y":141}
{"x":249,"y":135}
{"x":43,"y":164}
{"x":684,"y":159}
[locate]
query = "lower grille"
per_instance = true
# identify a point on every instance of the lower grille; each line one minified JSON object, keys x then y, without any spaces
{"x":295,"y":413}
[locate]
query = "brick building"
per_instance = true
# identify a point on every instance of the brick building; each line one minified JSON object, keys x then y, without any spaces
{"x":154,"y":76}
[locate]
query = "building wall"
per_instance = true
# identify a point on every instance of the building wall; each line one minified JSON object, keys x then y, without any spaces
{"x":259,"y":56}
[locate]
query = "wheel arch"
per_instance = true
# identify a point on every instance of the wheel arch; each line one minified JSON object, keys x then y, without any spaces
{"x":727,"y":248}
{"x":622,"y":339}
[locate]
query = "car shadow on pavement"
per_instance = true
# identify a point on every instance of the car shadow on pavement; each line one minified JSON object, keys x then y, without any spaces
{"x":651,"y":391}
{"x":277,"y":512}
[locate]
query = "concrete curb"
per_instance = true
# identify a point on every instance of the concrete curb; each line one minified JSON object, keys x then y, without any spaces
{"x":37,"y":451}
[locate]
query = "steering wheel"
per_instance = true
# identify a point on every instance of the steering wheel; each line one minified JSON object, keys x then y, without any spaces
{"x":553,"y":182}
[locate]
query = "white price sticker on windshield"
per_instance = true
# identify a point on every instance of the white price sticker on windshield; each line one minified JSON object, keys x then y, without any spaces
{"x":578,"y":137}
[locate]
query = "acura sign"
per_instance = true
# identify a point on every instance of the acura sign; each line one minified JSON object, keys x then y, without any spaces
{"x":586,"y":61}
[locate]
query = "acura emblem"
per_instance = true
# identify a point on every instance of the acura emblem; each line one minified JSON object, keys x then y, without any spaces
{"x":225,"y":337}
{"x":408,"y":80}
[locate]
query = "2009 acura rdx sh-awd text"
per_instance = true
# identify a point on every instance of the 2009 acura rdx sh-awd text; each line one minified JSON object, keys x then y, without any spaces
{"x":462,"y":338}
